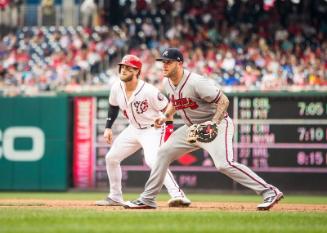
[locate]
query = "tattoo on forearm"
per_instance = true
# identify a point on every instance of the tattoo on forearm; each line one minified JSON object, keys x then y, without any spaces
{"x":222,"y":106}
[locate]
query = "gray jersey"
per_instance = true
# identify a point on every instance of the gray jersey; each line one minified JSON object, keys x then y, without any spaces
{"x":195,"y":97}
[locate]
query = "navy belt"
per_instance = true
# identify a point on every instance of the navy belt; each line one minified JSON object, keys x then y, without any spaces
{"x":147,"y":127}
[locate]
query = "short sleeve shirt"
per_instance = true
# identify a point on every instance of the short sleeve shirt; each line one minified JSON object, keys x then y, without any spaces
{"x":144,"y":105}
{"x":195,"y":97}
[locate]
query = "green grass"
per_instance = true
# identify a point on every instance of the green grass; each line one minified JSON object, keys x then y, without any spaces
{"x":39,"y":219}
{"x":54,"y":220}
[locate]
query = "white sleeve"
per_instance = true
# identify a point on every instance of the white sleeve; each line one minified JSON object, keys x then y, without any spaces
{"x":157,"y":100}
{"x":113,"y":95}
{"x":207,"y":89}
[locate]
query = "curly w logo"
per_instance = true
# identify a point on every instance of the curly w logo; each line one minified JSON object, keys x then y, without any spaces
{"x":141,"y":106}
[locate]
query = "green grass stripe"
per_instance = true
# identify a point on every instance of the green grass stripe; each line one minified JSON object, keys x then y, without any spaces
{"x":14,"y":220}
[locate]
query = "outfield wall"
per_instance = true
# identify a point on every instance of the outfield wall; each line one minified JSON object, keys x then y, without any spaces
{"x":34,"y":143}
{"x":53,"y":143}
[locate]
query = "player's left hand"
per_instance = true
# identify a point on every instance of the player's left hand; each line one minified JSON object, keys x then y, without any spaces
{"x":159,"y":122}
{"x":108,"y":136}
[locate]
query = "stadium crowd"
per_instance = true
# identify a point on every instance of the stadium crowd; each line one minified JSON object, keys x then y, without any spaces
{"x":242,"y":45}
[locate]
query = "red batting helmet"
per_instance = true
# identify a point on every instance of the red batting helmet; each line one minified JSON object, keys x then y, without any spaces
{"x":132,"y":61}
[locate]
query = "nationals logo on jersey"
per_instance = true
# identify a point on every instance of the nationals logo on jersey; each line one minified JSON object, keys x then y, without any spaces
{"x":141,"y":106}
{"x":184,"y":103}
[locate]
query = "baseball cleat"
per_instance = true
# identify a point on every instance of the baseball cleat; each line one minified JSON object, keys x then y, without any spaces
{"x":269,"y":202}
{"x":137,"y":204}
{"x":179,"y":202}
{"x":108,"y":202}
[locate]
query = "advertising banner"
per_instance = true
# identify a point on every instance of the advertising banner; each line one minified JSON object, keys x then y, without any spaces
{"x":83,"y":155}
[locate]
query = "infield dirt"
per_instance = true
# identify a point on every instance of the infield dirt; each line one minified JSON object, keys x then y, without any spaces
{"x":162,"y":206}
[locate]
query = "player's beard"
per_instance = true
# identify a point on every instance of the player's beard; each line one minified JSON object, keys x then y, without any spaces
{"x":127,"y":77}
{"x":172,"y":73}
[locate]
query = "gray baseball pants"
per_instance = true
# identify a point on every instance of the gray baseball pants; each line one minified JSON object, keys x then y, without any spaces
{"x":221,"y":151}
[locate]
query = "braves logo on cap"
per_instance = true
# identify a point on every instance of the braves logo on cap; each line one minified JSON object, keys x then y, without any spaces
{"x":165,"y":54}
{"x":172,"y":54}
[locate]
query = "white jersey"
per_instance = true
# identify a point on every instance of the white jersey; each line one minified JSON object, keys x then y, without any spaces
{"x":195,"y":97}
{"x":144,"y":105}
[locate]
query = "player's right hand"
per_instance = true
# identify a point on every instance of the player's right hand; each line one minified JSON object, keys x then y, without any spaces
{"x":159,"y":122}
{"x":108,"y":136}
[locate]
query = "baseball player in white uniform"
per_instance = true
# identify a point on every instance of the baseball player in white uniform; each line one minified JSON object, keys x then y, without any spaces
{"x":140,"y":103}
{"x":198,"y":100}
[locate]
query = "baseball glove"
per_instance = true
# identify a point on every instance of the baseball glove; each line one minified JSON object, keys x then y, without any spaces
{"x":205,"y":132}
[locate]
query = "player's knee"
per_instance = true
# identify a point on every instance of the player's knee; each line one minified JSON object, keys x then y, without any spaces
{"x":149,"y":162}
{"x":161,"y":153}
{"x":112,"y":160}
{"x":165,"y":153}
{"x":222,"y":167}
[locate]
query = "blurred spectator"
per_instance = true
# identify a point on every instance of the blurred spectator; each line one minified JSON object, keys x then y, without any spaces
{"x":239,"y":44}
{"x":88,"y":9}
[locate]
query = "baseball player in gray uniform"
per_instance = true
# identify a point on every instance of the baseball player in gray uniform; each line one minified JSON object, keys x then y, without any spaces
{"x":198,"y":100}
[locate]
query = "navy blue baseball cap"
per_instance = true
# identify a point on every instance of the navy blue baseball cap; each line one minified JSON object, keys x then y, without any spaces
{"x":171,"y":54}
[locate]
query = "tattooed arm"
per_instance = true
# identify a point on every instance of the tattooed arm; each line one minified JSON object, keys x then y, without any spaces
{"x":222,"y":106}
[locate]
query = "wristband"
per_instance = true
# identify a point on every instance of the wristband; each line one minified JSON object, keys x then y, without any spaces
{"x":109,"y":123}
{"x":169,"y":129}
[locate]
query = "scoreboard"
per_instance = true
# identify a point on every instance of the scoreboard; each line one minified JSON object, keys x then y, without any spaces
{"x":281,"y":136}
